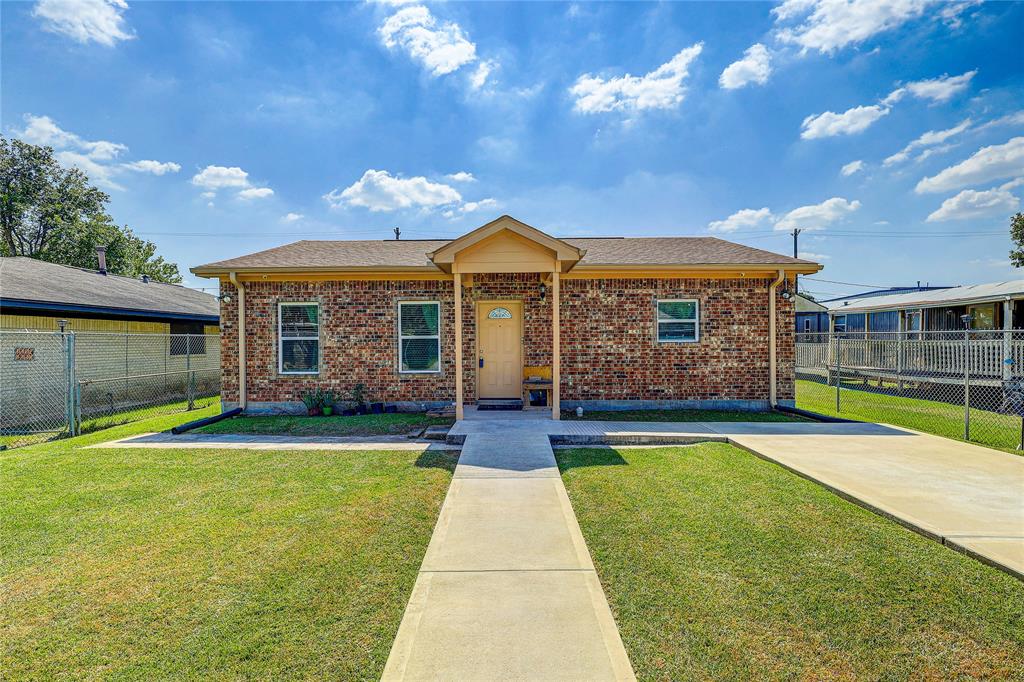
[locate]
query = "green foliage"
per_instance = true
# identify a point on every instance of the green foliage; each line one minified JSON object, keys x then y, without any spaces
{"x":53,"y":214}
{"x":358,"y":398}
{"x":1017,"y":236}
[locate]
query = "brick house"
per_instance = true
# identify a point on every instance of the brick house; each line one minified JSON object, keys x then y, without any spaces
{"x":603,"y":322}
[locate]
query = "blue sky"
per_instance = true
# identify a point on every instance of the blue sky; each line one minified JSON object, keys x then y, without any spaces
{"x":893,"y":132}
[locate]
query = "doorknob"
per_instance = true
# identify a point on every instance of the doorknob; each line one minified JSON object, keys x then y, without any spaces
{"x":481,"y":362}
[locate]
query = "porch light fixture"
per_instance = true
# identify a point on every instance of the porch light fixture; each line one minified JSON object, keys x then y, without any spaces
{"x":543,"y":291}
{"x":226,"y":298}
{"x":786,"y":295}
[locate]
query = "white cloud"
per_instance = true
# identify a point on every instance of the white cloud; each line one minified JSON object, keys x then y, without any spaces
{"x":100,"y":21}
{"x":441,"y":48}
{"x":291,"y":217}
{"x":471,"y":206}
{"x":951,"y":12}
{"x":152,"y":167}
{"x":851,"y":121}
{"x":660,"y":89}
{"x":747,"y":217}
{"x":479,"y":77}
{"x":808,"y":255}
{"x":986,"y":164}
{"x":755,"y":67}
{"x":461,"y":176}
{"x":973,"y":204}
{"x":256,"y":193}
{"x":851,"y":168}
{"x":928,"y":139}
{"x":96,"y":158}
{"x":381,"y":191}
{"x":817,"y":216}
{"x":941,"y":89}
{"x":216,"y":177}
{"x":828,"y":25}
{"x":208,"y":195}
{"x":43,"y":130}
{"x":1014,"y":119}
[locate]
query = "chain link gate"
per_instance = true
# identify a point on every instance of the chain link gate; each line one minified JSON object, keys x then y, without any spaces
{"x":965,"y":384}
{"x":54,"y":384}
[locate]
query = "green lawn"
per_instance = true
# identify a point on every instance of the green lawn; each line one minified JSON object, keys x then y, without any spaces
{"x":190,"y":564}
{"x":335,"y":425}
{"x":681,"y":416}
{"x":719,"y":565}
{"x":943,"y":419}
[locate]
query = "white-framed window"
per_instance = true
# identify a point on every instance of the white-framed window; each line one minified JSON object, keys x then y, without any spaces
{"x":678,"y":321}
{"x":807,"y":326}
{"x":419,"y":337}
{"x":298,"y":338}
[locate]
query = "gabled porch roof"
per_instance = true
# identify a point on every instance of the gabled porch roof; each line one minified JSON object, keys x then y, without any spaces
{"x":511,"y":243}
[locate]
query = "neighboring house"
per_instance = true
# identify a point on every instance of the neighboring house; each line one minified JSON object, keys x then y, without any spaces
{"x":811,"y":316}
{"x":999,"y":305}
{"x":37,"y":295}
{"x":661,"y":321}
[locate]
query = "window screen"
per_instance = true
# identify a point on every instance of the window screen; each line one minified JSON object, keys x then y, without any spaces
{"x":419,"y":337}
{"x":299,"y":338}
{"x":677,"y":321}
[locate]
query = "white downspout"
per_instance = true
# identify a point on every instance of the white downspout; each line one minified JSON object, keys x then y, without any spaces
{"x":240,"y":287}
{"x":772,"y":379}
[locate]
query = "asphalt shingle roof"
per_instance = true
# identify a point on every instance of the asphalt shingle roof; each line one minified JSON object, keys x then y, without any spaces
{"x":413,"y":253}
{"x":28,"y":279}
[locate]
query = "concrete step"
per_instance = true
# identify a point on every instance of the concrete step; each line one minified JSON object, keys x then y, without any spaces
{"x":503,"y":404}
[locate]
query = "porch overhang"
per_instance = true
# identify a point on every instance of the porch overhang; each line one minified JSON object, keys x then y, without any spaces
{"x":506,"y":245}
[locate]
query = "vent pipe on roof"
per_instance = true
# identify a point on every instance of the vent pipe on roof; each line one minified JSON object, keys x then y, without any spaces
{"x":398,"y":233}
{"x":101,"y":256}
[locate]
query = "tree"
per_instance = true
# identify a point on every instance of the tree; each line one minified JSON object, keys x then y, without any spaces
{"x":53,"y":214}
{"x":1017,"y":235}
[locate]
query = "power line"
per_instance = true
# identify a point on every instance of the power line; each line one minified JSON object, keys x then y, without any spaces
{"x":850,"y":284}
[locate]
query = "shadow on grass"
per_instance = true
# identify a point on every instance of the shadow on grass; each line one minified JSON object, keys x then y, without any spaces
{"x":588,"y":457}
{"x":438,"y":459}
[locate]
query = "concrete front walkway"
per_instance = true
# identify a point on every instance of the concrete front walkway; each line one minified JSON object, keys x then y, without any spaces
{"x":507,"y":589}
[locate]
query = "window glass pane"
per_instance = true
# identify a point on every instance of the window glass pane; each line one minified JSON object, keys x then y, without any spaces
{"x":677,"y":310}
{"x":420,"y":355}
{"x":419,"y":319}
{"x":299,"y":320}
{"x":300,"y":356}
{"x":984,"y":316}
{"x":677,"y":331}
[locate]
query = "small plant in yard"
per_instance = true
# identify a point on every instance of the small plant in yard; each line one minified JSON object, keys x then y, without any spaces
{"x":358,"y":398}
{"x":313,"y":399}
{"x":327,"y":405}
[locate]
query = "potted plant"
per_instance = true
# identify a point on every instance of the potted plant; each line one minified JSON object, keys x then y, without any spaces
{"x":327,"y":404}
{"x":358,"y":398}
{"x":311,"y":399}
{"x":376,"y":408}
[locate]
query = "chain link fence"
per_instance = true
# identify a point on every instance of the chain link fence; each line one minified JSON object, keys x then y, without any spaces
{"x":965,"y":384}
{"x":54,"y":384}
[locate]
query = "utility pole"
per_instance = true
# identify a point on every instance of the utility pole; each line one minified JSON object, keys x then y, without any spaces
{"x":398,"y":233}
{"x":796,"y":278}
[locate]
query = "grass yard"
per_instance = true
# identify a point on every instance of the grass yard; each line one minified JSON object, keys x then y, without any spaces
{"x":995,"y":430}
{"x":359,"y":425}
{"x":681,"y":416}
{"x":188,"y":564}
{"x":719,"y":565}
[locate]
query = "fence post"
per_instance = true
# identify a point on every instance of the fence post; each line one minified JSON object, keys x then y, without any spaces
{"x":189,"y":391}
{"x":967,"y":384}
{"x":839,"y":368}
{"x":72,"y":383}
{"x":900,"y":338}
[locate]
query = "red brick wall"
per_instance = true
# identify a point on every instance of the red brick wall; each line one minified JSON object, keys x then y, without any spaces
{"x":609,"y":350}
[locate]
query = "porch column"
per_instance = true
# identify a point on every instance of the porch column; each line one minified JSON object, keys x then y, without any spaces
{"x":457,"y":282}
{"x":556,"y":355}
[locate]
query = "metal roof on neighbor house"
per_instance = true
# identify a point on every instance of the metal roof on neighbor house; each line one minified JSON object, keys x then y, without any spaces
{"x":962,"y":295}
{"x":30,"y":284}
{"x":600,"y":251}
